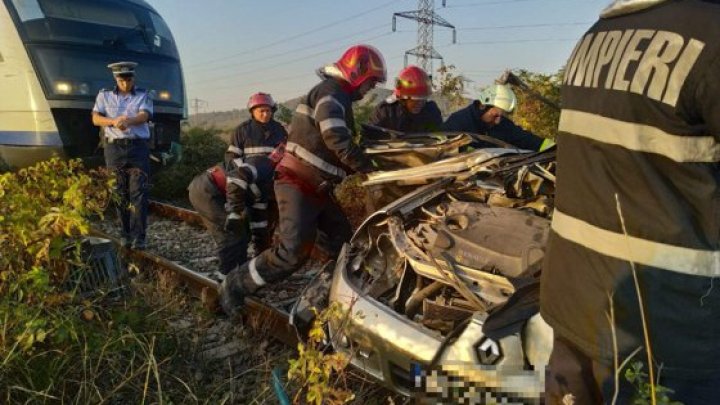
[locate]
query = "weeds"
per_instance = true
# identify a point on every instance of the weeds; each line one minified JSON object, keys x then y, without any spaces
{"x":314,"y":369}
{"x":647,"y":389}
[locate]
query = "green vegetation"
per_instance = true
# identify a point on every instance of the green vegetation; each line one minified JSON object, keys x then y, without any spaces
{"x":450,"y":86}
{"x":636,"y":376}
{"x":202,"y":149}
{"x":283,"y":114}
{"x":139,"y":346}
{"x":317,"y":372}
{"x":531,"y":113}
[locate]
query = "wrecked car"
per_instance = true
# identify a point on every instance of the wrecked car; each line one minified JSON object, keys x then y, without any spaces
{"x":441,"y":285}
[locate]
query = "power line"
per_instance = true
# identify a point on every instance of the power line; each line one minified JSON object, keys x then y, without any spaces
{"x":264,"y":58}
{"x":280,"y":95}
{"x":197,"y":103}
{"x":516,"y":41}
{"x":499,"y":27}
{"x":302,"y":34}
{"x":486,"y":3}
{"x":284,"y":63}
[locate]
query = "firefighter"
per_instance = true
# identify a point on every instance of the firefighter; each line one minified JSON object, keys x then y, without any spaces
{"x":223,"y":196}
{"x":259,"y":136}
{"x":635,"y":241}
{"x":320,"y":152}
{"x":488,"y":116}
{"x":408,"y":108}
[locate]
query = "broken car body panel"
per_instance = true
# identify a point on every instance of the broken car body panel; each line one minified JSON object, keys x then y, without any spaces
{"x":441,"y":284}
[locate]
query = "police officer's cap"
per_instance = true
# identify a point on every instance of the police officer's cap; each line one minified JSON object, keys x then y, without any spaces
{"x":123,"y":69}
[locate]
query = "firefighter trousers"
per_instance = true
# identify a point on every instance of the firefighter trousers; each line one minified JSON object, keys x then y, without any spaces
{"x":307,"y":220}
{"x":231,"y":248}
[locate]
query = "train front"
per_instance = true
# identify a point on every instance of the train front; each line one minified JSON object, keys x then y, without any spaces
{"x":54,"y":61}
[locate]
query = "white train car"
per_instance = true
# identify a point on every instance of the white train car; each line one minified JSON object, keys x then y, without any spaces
{"x":53,"y":57}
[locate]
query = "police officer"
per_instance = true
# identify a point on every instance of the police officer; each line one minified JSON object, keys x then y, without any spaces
{"x":123,"y":112}
{"x":320,"y":151}
{"x":635,"y":235}
{"x":488,"y":116}
{"x":259,"y":136}
{"x":222,"y":196}
{"x":408,"y":109}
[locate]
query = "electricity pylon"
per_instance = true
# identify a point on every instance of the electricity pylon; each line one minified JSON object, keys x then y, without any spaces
{"x":427,"y":18}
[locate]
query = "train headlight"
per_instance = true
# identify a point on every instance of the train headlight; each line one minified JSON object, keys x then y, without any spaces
{"x":63,"y":88}
{"x":164,"y":95}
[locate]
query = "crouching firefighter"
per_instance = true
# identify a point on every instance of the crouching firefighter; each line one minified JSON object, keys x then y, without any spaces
{"x":224,"y":196}
{"x":319,"y":151}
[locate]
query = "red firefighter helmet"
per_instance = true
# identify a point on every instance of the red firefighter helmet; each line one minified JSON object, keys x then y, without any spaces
{"x":259,"y":99}
{"x":360,"y":63}
{"x":413,"y":83}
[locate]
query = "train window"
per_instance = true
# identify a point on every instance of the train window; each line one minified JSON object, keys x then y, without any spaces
{"x":89,"y":12}
{"x":28,"y":10}
{"x":160,"y":27}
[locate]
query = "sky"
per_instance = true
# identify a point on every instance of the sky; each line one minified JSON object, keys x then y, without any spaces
{"x":232,"y":48}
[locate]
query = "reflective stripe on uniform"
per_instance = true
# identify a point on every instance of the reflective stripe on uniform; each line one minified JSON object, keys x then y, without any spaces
{"x":640,"y":138}
{"x":258,"y":225}
{"x":260,"y":206}
{"x":547,"y":143}
{"x":252,"y":169}
{"x":331,"y":123}
{"x":309,"y":157}
{"x":679,"y":259}
{"x":257,"y":150}
{"x":241,"y":183}
{"x":329,"y":99}
{"x":235,"y":150}
{"x":255,"y":190}
{"x":254,"y":274}
{"x":305,"y":109}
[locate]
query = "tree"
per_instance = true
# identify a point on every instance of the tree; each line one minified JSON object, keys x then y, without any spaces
{"x":450,"y":86}
{"x":202,"y":148}
{"x":532,"y":113}
{"x":283,"y":114}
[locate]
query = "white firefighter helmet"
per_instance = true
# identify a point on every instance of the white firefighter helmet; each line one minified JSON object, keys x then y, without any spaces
{"x":500,"y":96}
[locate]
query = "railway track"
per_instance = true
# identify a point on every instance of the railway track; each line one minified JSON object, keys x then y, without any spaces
{"x":178,"y":244}
{"x":199,"y":283}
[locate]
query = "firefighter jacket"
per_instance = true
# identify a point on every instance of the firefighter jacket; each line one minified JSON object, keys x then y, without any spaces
{"x":253,"y":138}
{"x":469,"y":120}
{"x":638,"y":187}
{"x":321,"y":135}
{"x":249,"y":184}
{"x":393,"y":115}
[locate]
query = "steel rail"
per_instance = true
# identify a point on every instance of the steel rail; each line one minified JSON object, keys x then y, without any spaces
{"x":275,"y":321}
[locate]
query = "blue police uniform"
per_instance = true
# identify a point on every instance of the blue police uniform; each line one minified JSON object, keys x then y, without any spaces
{"x":127,"y":152}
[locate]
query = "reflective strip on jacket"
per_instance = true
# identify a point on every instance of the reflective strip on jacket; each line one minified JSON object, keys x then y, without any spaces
{"x":638,"y":187}
{"x":321,"y":133}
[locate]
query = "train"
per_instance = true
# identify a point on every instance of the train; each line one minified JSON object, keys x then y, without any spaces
{"x":53,"y":62}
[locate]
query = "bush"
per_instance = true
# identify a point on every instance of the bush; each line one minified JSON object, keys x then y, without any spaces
{"x":56,"y":347}
{"x":202,"y":148}
{"x":531,"y":113}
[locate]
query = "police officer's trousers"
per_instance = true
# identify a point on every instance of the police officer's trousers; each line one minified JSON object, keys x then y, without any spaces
{"x":231,"y":248}
{"x":130,"y":159}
